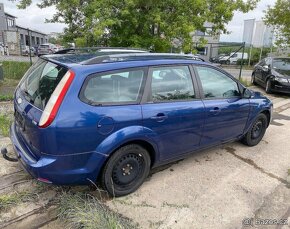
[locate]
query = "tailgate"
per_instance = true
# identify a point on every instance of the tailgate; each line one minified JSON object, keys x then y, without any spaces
{"x":31,"y":97}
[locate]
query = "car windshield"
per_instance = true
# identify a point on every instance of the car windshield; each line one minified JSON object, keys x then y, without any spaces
{"x":281,"y":64}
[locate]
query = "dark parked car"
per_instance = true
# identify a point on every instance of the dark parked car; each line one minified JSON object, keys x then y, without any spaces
{"x":273,"y":74}
{"x":81,"y":118}
{"x":217,"y":59}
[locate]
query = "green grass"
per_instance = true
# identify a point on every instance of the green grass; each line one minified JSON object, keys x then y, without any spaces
{"x":9,"y":82}
{"x":245,"y":82}
{"x":14,"y":69}
{"x":7,"y":88}
{"x":85,"y":211}
{"x":6,"y":97}
{"x":4,"y":125}
{"x":12,"y":199}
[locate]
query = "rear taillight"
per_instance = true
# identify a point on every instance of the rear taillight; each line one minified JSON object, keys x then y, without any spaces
{"x":55,"y":100}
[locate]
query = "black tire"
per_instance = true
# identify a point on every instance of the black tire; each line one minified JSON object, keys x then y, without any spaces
{"x":253,"y":79}
{"x":268,"y":87}
{"x":126,"y":170}
{"x":228,"y":62}
{"x":257,"y":131}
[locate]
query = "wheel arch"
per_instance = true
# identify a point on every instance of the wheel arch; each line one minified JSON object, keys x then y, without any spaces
{"x":268,"y":115}
{"x":153,"y":153}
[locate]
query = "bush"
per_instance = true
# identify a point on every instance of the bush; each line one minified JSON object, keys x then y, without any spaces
{"x":14,"y":69}
{"x":246,"y":61}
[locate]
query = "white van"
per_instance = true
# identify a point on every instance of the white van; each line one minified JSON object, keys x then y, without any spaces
{"x":233,"y":58}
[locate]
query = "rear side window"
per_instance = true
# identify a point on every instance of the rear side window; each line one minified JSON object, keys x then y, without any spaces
{"x":40,"y":81}
{"x":215,"y":84}
{"x":114,"y":88}
{"x":171,"y":83}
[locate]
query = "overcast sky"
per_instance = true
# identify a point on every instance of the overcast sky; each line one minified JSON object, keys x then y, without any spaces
{"x":34,"y":18}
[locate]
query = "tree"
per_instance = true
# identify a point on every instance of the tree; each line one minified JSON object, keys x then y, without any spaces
{"x":279,"y":17}
{"x":150,"y":24}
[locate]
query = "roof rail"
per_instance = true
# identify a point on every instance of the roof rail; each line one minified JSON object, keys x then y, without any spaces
{"x":137,"y":56}
{"x":96,"y":49}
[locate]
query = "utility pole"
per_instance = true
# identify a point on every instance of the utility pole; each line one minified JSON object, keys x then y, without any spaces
{"x":242,"y":61}
{"x":29,"y":44}
{"x":250,"y":55}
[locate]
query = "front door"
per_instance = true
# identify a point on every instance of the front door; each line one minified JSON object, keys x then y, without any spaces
{"x":226,"y":111}
{"x":173,"y":114}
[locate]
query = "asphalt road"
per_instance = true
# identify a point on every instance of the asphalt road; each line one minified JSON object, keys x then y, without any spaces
{"x":246,"y":74}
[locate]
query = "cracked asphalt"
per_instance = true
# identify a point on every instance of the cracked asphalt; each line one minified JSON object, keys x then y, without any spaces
{"x":216,"y":188}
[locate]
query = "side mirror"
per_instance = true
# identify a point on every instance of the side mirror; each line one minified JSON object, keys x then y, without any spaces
{"x":265,"y":68}
{"x":247,"y":94}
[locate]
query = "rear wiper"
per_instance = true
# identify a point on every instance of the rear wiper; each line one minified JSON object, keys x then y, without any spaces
{"x":29,"y":96}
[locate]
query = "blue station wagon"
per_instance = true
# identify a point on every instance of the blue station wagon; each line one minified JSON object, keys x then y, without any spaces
{"x":110,"y":118}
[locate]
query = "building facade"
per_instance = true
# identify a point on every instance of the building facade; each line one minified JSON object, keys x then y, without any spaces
{"x":15,"y":37}
{"x":210,"y":49}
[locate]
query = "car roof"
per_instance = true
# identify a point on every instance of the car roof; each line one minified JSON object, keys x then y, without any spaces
{"x":281,"y":58}
{"x":105,"y":61}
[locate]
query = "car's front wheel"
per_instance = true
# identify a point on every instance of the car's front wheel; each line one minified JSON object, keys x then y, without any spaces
{"x":126,"y":170}
{"x":253,"y":80}
{"x":257,"y":131}
{"x":268,"y":87}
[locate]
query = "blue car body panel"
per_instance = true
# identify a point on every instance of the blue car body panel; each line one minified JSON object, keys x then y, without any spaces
{"x":75,"y":147}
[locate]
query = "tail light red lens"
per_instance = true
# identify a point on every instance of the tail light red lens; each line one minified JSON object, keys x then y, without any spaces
{"x":56,"y":99}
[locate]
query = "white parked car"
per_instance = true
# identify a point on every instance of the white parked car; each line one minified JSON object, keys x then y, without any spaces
{"x":233,"y":58}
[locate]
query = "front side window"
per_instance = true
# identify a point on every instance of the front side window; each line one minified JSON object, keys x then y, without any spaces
{"x":262,"y":62}
{"x":118,"y":87}
{"x":171,"y":83}
{"x":215,"y":84}
{"x":268,"y":61}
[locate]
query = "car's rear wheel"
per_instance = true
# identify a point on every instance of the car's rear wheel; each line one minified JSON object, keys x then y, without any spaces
{"x":268,"y":87}
{"x":257,"y":131}
{"x":253,"y":80}
{"x":126,"y":170}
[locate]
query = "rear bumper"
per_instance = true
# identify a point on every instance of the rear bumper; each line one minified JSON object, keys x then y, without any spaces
{"x":61,"y":170}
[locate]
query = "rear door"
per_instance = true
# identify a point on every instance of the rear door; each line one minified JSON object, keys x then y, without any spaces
{"x":31,"y":97}
{"x":173,"y":112}
{"x":226,"y":111}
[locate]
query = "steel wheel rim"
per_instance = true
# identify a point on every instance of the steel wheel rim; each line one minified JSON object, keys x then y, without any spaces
{"x":128,"y":169}
{"x":257,"y":129}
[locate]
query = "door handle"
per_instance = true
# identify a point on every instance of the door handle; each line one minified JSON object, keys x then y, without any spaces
{"x":215,"y":111}
{"x":160,"y":117}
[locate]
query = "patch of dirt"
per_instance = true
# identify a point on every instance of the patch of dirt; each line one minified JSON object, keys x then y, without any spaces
{"x":6,"y":108}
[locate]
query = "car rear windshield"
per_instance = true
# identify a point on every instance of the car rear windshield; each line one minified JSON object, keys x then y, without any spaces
{"x":40,"y":81}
